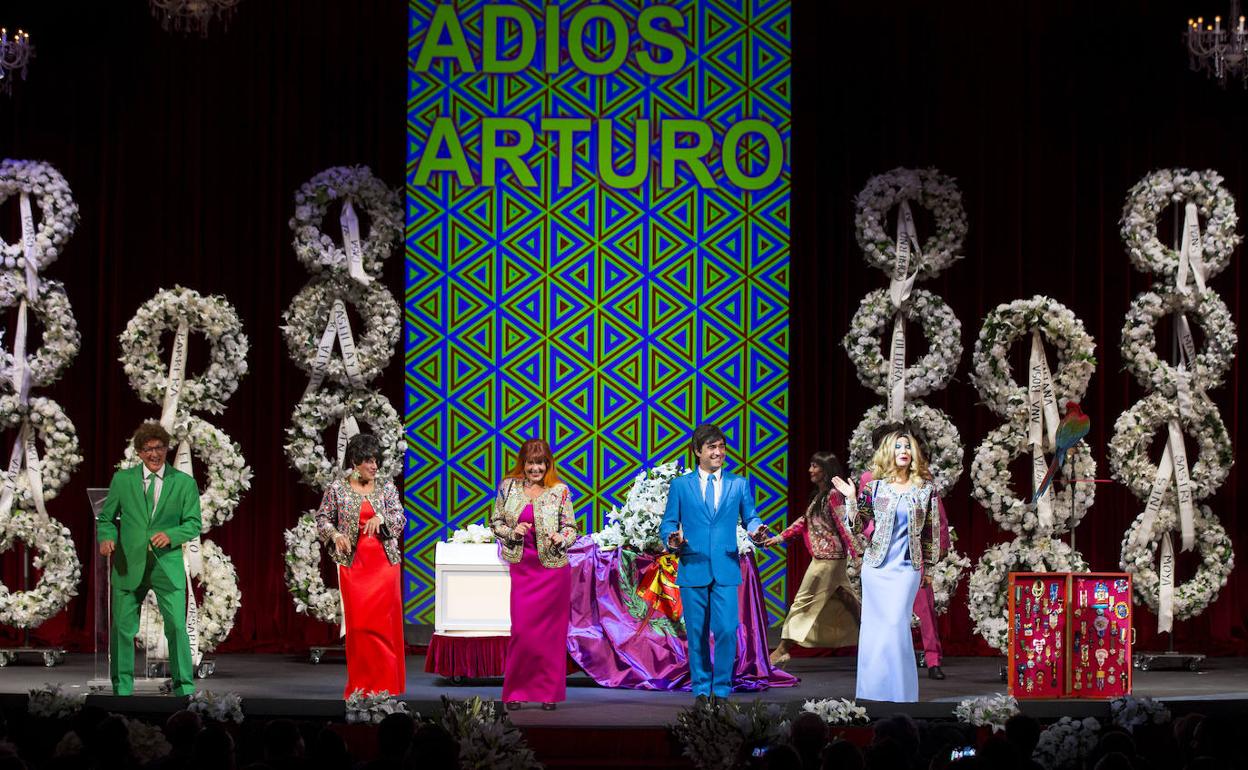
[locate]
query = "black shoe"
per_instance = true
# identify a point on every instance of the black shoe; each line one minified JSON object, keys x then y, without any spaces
{"x":548,"y":706}
{"x":513,"y":705}
{"x":934,"y":672}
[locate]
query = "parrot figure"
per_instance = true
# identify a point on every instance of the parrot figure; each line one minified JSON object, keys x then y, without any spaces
{"x":1073,"y":427}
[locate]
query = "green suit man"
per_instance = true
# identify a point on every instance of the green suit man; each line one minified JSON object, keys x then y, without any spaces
{"x":157,"y":508}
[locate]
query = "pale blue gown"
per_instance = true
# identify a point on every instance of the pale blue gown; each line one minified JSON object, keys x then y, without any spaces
{"x":886,"y":666}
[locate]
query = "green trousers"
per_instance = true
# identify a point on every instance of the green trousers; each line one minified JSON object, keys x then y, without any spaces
{"x":126,"y":606}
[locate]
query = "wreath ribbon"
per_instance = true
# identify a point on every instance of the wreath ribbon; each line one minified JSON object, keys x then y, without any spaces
{"x":350,"y":224}
{"x":337,"y":327}
{"x":1042,"y":420}
{"x":28,"y":246}
{"x":899,"y":287}
{"x":25,"y":453}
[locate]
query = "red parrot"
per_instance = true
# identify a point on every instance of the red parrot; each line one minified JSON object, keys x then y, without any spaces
{"x":1073,"y":427}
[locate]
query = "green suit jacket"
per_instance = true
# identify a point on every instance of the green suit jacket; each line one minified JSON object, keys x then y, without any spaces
{"x":177,"y":515}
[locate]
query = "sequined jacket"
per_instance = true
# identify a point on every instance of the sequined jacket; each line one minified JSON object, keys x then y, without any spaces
{"x":823,"y":527}
{"x":340,"y":512}
{"x":877,"y":505}
{"x":552,"y":514}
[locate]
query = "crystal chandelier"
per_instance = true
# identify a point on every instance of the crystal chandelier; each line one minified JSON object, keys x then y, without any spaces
{"x":192,"y":15}
{"x":15,"y":52}
{"x":1220,"y":52}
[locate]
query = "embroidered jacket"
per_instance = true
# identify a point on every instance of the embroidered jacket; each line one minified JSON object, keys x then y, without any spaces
{"x":552,"y":514}
{"x":877,"y":505}
{"x":823,"y":528}
{"x":340,"y":512}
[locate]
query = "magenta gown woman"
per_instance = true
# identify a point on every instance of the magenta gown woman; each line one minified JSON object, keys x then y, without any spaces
{"x":534,"y":521}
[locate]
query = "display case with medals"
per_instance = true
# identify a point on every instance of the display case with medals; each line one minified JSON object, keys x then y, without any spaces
{"x":1101,"y":635}
{"x":1039,"y":613}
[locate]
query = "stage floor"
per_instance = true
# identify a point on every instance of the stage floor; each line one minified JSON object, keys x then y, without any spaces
{"x":284,"y":685}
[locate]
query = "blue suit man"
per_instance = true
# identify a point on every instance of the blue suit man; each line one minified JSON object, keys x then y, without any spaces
{"x":700,"y":524}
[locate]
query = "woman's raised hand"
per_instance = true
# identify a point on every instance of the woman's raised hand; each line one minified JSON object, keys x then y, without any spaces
{"x":844,"y":487}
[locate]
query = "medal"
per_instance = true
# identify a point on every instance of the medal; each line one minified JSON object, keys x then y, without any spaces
{"x":1100,"y":595}
{"x":1112,"y":678}
{"x":1100,"y":680}
{"x":1037,"y":589}
{"x":1101,"y":655}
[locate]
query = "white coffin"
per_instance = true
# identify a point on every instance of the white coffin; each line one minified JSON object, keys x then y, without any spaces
{"x":472,"y":590}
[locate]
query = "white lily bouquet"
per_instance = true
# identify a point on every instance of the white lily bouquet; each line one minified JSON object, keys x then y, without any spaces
{"x":371,"y":709}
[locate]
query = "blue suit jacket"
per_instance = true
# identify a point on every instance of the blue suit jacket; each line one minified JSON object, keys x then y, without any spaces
{"x":710,"y":551}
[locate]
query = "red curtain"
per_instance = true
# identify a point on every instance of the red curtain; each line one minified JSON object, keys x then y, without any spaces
{"x":1046,"y":113}
{"x":184,"y":155}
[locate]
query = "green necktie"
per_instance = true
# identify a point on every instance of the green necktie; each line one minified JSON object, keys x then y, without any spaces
{"x":150,"y":494}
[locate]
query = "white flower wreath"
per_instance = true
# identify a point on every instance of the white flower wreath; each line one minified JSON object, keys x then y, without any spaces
{"x":57,"y":559}
{"x":303,"y":573}
{"x":991,"y":481}
{"x":319,"y":410}
{"x":940,"y":327}
{"x":58,"y":212}
{"x":60,"y":457}
{"x":1133,"y":435}
{"x":61,"y":339}
{"x":228,"y":474}
{"x":383,"y":206}
{"x":1217,"y":559}
{"x":1062,"y":330}
{"x":1139,"y":340}
{"x":312,"y":307}
{"x":217,"y":609}
{"x":928,"y":188}
{"x":147,"y":367}
{"x":1159,"y":189}
{"x":989,"y":584}
{"x":944,"y":443}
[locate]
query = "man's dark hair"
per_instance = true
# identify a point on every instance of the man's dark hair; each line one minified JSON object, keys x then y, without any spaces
{"x":705,"y":434}
{"x":147,"y":432}
{"x":361,"y":447}
{"x":394,"y":735}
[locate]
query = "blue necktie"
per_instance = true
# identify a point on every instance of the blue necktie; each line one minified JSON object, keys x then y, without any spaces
{"x":709,"y":496}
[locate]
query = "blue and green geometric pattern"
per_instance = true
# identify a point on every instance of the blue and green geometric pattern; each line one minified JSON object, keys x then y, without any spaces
{"x":608,"y":320}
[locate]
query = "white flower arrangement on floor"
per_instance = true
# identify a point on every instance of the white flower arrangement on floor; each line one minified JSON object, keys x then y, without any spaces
{"x":926,"y":187}
{"x":58,"y":213}
{"x":987,"y":589}
{"x":473,"y":533}
{"x":1139,"y":340}
{"x":1130,"y":712}
{"x":987,"y":710}
{"x":487,"y":738}
{"x":312,"y":308}
{"x":991,"y":480}
{"x":56,"y":557}
{"x":940,"y":327}
{"x":228,"y":474}
{"x":227,"y":707}
{"x":52,"y":702}
{"x":1065,"y":743}
{"x":711,"y":736}
{"x":383,"y":206}
{"x":838,"y":711}
{"x":1217,"y":559}
{"x":146,"y":364}
{"x":217,"y":609}
{"x":372,"y":709}
{"x":60,"y":456}
{"x":147,"y":742}
{"x":1177,"y":186}
{"x":61,"y":339}
{"x":324,"y":408}
{"x":1133,"y":435}
{"x":944,"y":442}
{"x":303,"y":573}
{"x":1008,"y":323}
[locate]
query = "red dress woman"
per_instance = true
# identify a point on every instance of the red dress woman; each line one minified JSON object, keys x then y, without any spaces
{"x":364,"y":520}
{"x":534,"y":520}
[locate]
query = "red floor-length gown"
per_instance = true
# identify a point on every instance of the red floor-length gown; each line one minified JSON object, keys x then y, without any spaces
{"x":374,"y":617}
{"x":541,"y":597}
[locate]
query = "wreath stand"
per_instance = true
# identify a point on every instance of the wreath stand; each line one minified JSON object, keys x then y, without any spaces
{"x":52,"y":656}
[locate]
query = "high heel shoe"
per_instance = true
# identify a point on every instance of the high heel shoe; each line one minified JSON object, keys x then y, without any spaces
{"x":548,"y":706}
{"x":513,"y":705}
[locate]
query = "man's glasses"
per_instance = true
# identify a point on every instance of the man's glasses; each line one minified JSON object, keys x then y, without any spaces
{"x":156,"y":449}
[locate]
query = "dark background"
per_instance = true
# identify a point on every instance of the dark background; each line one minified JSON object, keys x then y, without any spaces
{"x":184,"y":155}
